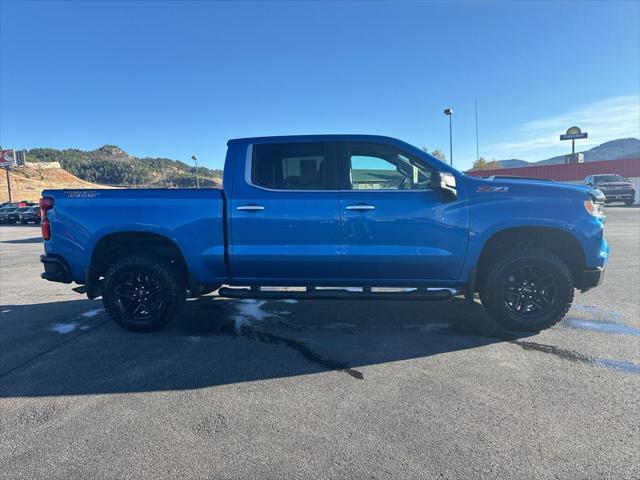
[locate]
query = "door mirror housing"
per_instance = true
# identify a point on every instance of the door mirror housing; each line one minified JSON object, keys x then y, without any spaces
{"x":446,"y":183}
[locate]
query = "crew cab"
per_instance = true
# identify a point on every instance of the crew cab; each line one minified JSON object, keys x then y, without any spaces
{"x":614,"y":187}
{"x":343,"y":216}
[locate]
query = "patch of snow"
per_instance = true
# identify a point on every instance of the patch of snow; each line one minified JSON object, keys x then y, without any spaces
{"x":91,"y":313}
{"x":249,"y":311}
{"x":64,"y":327}
{"x":5,"y":311}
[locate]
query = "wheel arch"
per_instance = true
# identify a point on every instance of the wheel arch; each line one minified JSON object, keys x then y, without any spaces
{"x":560,"y":242}
{"x":115,"y":245}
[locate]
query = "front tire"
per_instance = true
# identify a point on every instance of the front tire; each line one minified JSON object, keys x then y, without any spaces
{"x":527,"y":289}
{"x":142,"y":293}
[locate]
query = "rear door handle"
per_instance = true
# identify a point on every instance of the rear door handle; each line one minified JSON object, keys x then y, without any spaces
{"x":361,"y":207}
{"x":250,"y":208}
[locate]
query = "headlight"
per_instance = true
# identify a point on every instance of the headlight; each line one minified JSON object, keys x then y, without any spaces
{"x":595,"y":209}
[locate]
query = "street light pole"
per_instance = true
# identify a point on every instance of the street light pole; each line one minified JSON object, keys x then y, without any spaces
{"x":449,"y":113}
{"x":195,"y":159}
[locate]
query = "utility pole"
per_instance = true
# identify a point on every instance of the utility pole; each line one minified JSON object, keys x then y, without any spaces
{"x":449,"y":113}
{"x":9,"y":184}
{"x":477,"y":141}
{"x":195,"y":159}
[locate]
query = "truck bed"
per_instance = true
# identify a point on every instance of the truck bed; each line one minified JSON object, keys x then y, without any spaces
{"x":191,"y":218}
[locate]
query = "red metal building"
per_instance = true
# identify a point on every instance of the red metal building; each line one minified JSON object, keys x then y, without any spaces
{"x":574,"y":172}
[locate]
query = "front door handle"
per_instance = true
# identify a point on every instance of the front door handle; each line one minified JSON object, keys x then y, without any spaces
{"x":361,"y":207}
{"x":250,"y":208}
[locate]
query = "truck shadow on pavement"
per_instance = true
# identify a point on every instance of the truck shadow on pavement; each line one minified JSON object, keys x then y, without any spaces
{"x":22,"y":241}
{"x":72,"y":348}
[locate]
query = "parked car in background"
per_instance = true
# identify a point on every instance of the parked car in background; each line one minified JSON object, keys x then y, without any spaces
{"x":614,"y":187}
{"x":30,"y":215}
{"x":3,"y":209}
{"x":13,"y":216}
{"x":9,"y":215}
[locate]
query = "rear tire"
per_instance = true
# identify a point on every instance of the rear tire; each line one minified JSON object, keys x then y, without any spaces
{"x":142,"y":293}
{"x":527,"y":289}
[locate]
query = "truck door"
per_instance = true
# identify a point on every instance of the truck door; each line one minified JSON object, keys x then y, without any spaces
{"x":285,"y":215}
{"x":395,"y":227}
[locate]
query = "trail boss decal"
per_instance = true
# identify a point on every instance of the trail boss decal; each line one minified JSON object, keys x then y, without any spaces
{"x":82,"y":194}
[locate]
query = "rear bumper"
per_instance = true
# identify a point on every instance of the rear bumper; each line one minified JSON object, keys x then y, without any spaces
{"x":55,"y":269}
{"x":591,"y":277}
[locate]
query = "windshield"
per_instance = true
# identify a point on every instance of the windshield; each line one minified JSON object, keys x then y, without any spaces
{"x":608,"y":178}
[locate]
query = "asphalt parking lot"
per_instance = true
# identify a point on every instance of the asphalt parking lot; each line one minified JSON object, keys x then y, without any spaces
{"x":283,"y":389}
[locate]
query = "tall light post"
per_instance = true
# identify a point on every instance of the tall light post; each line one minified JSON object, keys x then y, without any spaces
{"x":195,"y":159}
{"x":449,"y":113}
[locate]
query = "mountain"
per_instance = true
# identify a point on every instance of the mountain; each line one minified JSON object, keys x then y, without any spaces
{"x":613,"y":150}
{"x":110,"y":165}
{"x":513,"y":163}
{"x":28,"y":182}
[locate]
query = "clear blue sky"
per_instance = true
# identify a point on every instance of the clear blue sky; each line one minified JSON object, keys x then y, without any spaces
{"x":176,"y":78}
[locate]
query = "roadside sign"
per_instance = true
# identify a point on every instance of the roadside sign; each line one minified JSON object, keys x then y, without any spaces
{"x":8,"y":159}
{"x":573,"y":136}
{"x":21,"y":156}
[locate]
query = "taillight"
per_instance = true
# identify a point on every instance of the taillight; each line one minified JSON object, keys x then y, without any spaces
{"x":46,"y":204}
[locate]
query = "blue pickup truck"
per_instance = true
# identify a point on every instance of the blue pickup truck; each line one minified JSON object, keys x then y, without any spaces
{"x":327,"y":217}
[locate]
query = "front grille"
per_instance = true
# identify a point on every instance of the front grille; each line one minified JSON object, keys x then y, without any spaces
{"x":617,"y":192}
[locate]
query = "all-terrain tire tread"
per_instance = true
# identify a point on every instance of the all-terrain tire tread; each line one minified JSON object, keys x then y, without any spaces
{"x":175,"y":296}
{"x":491,"y":296}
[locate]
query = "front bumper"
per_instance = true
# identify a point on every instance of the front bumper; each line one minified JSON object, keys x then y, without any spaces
{"x":591,"y":277}
{"x":613,"y":196}
{"x":55,"y":269}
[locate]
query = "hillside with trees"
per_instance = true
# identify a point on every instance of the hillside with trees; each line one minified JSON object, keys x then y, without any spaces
{"x":110,"y":165}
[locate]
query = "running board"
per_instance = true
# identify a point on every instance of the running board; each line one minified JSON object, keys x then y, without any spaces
{"x":333,"y":294}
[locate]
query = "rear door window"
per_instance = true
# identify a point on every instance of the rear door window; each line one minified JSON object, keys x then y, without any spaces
{"x":294,"y":166}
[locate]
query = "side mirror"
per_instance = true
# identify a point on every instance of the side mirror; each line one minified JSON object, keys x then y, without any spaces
{"x":446,"y":183}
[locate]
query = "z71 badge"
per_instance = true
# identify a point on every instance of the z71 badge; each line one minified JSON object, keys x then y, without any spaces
{"x":490,"y":189}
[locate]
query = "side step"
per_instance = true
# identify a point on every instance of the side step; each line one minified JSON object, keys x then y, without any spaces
{"x":333,"y":294}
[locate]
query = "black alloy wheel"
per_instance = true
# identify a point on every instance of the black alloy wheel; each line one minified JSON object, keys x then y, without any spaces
{"x":527,"y":288}
{"x":143,"y":293}
{"x":139,"y":295}
{"x":529,"y":291}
